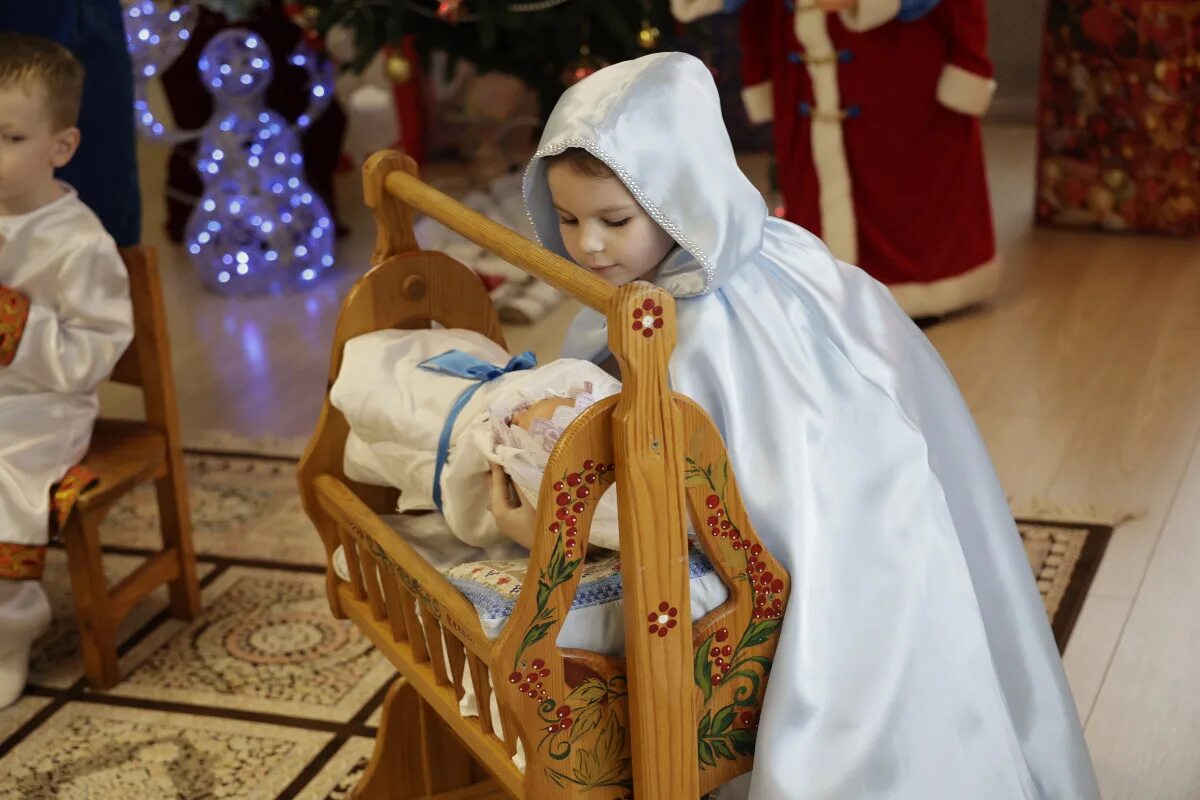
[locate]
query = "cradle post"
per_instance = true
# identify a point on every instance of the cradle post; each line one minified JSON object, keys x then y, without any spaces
{"x":397,"y":768}
{"x":648,"y":443}
{"x":393,"y":217}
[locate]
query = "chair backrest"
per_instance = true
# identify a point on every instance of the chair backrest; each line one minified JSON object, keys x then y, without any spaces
{"x":147,"y":362}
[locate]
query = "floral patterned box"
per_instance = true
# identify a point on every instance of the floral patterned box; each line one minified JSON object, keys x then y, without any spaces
{"x":1119,"y":116}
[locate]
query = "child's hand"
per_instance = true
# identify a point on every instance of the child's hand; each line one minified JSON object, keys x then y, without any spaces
{"x":833,"y":6}
{"x":515,"y":521}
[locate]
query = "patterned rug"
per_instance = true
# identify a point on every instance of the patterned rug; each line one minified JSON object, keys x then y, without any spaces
{"x":265,"y":695}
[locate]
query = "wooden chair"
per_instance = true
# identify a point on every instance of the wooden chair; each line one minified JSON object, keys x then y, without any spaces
{"x":124,"y":454}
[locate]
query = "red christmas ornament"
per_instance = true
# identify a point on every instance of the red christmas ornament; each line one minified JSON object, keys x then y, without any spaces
{"x":582,"y":68}
{"x":302,"y":15}
{"x":578,"y":73}
{"x":449,"y":10}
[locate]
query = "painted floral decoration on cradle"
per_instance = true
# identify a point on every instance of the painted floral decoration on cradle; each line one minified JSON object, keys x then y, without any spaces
{"x":663,"y":620}
{"x":648,"y":318}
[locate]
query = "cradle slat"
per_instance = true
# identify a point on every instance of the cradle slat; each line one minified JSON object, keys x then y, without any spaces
{"x":510,"y":729}
{"x":456,"y":655}
{"x":370,"y":572}
{"x":391,"y":597}
{"x":416,"y":632}
{"x":394,"y":555}
{"x":350,"y":551}
{"x":415,"y":740}
{"x":433,"y":640}
{"x":483,"y":694}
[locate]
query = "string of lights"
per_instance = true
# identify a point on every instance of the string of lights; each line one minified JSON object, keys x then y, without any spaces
{"x":258,"y":226}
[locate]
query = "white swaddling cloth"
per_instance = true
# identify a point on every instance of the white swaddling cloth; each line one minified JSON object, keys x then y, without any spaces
{"x":396,"y":412}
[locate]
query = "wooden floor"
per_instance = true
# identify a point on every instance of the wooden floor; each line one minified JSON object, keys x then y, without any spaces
{"x":1084,"y":377}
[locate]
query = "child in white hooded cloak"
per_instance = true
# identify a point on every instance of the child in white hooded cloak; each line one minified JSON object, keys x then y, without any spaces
{"x":915,"y":660}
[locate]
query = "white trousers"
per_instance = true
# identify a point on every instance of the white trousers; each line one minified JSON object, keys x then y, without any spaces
{"x":24,"y":616}
{"x":43,"y":436}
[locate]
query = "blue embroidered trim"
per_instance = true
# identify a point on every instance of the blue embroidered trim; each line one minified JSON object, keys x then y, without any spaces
{"x":493,"y":605}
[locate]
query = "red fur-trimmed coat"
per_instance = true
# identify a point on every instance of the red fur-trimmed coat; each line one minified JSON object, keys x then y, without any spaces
{"x":876,"y":124}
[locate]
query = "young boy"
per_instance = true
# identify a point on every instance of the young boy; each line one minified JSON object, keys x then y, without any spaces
{"x":65,"y":319}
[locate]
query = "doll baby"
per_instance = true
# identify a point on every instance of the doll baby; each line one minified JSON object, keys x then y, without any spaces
{"x":413,"y":426}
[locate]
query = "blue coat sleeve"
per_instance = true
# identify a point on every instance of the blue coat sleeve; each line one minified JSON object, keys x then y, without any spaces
{"x":915,"y":9}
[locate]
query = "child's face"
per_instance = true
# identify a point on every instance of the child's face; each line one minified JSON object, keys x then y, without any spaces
{"x":604,"y":228}
{"x":542,"y":409}
{"x":30,"y":148}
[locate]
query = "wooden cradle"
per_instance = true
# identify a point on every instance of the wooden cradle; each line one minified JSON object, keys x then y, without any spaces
{"x":676,"y":717}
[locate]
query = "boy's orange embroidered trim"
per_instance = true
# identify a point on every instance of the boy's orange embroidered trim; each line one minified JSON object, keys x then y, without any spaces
{"x":64,"y":494}
{"x":14,"y":312}
{"x":27,"y":562}
{"x":22,"y":562}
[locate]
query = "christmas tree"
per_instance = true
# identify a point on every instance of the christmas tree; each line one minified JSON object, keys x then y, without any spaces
{"x":549,"y":44}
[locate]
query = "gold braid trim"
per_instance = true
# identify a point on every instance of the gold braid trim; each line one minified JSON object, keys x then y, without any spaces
{"x":22,"y":562}
{"x":14,"y":312}
{"x":64,"y":493}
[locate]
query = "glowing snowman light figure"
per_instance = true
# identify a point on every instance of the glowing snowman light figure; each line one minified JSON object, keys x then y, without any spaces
{"x":258,"y":227}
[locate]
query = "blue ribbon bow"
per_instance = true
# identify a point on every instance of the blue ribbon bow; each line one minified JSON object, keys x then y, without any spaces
{"x":464,"y":365}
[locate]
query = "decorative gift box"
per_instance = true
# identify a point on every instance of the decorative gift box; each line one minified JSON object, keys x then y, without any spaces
{"x":1119,"y":116}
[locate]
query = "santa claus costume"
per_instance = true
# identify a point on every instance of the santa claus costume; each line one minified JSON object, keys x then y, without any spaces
{"x":876,"y":121}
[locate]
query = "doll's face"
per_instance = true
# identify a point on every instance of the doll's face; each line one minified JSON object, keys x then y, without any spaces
{"x":604,"y":228}
{"x":541,"y":410}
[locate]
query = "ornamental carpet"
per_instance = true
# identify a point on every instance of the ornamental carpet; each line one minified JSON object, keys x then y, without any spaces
{"x":265,"y":695}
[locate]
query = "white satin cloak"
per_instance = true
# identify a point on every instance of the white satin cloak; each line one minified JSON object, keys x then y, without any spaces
{"x":915,"y":660}
{"x":80,"y":321}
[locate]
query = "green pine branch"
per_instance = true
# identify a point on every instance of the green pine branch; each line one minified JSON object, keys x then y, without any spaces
{"x":538,"y":47}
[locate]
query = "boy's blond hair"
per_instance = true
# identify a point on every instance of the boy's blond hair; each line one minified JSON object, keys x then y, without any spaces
{"x":30,"y":60}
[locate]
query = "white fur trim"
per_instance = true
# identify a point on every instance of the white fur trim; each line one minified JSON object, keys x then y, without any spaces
{"x":838,"y":226}
{"x":760,"y":106}
{"x":688,"y":10}
{"x":948,"y":294}
{"x":964,"y":91}
{"x":868,"y":14}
